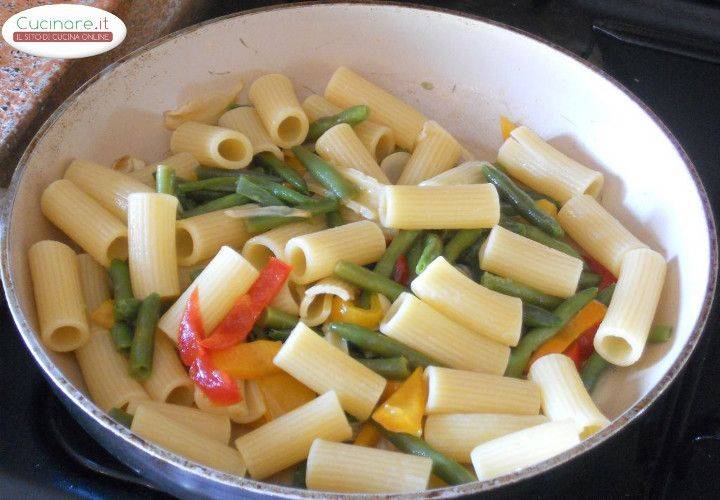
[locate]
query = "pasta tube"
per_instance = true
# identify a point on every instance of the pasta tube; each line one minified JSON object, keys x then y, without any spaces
{"x":531,"y":263}
{"x":246,"y":121}
{"x":168,"y":381}
{"x":523,"y":448}
{"x":435,"y":152}
{"x":215,"y":427}
{"x":260,"y":248}
{"x":183,"y":164}
{"x":449,"y":291}
{"x":286,"y":440}
{"x":457,"y":434}
{"x":200,"y":237}
{"x":313,"y":256}
{"x":597,"y":231}
{"x":342,"y":147}
{"x":440,"y":207}
{"x":540,"y":166}
{"x":564,"y":395}
{"x":460,"y":391}
{"x":94,"y":282}
{"x":469,"y":172}
{"x":622,"y":335}
{"x":276,"y":103}
{"x":348,"y":468}
{"x":224,"y":279}
{"x":155,"y":427}
{"x":108,"y":187}
{"x":58,"y":296}
{"x":151,"y":241}
{"x":422,"y":328}
{"x":346,"y":88}
{"x":378,"y":139}
{"x":212,"y":146}
{"x":85,"y":221}
{"x":316,"y":304}
{"x":324,"y":368}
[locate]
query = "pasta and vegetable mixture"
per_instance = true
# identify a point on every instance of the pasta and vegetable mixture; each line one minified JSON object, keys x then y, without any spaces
{"x":334,"y":294}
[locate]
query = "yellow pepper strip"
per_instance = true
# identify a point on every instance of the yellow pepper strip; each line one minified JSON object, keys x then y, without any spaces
{"x":293,"y":162}
{"x":436,"y":482}
{"x":282,"y":394}
{"x":347,"y":312}
{"x":248,"y":360}
{"x":403,"y":411}
{"x":548,"y":207}
{"x":589,"y":316}
{"x":390,"y":388}
{"x":104,"y":315}
{"x":506,"y":126}
{"x":368,"y":436}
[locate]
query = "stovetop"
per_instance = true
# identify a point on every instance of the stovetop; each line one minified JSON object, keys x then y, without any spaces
{"x":671,"y":451}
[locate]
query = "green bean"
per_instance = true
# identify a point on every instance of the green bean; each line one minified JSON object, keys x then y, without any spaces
{"x":592,"y":369}
{"x":249,"y":189}
{"x":606,"y":294}
{"x":281,"y":335}
{"x":126,"y":305}
{"x":262,"y":223}
{"x":535,"y":316}
{"x":121,"y":416}
{"x":351,"y":116}
{"x":588,"y":279}
{"x":445,"y":468}
{"x":660,"y":333}
{"x":380,"y":344}
{"x":165,"y":180}
{"x":298,"y":477}
{"x":282,"y":169}
{"x":121,"y":335}
{"x":186,"y":203}
{"x":278,"y":320}
{"x":413,"y":256}
{"x":334,"y":219}
{"x":461,"y":241}
{"x":195,"y":273}
{"x":204,"y":195}
{"x":397,"y":247}
{"x":225,"y":184}
{"x":540,"y":236}
{"x":233,"y":105}
{"x":368,"y":280}
{"x":319,"y":207}
{"x":432,"y":250}
{"x":325,"y":173}
{"x":520,"y":354}
{"x":143,"y":344}
{"x":522,"y":201}
{"x":229,"y":201}
{"x":507,"y":209}
{"x":390,"y":368}
{"x":527,"y":294}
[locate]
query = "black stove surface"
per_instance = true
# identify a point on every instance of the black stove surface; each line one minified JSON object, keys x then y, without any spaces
{"x":671,"y":451}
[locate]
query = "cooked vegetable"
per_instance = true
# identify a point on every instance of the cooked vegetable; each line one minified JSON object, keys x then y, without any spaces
{"x":535,"y":316}
{"x":347,"y":312}
{"x":390,"y":368}
{"x":588,"y":279}
{"x":224,"y":184}
{"x":126,"y":305}
{"x":251,"y":190}
{"x":143,"y":342}
{"x":262,"y":223}
{"x":527,"y":294}
{"x":121,"y":416}
{"x":325,"y":173}
{"x":536,"y":234}
{"x":228,"y":201}
{"x":606,"y":294}
{"x":121,"y":335}
{"x":165,"y":180}
{"x":277,"y":319}
{"x":282,"y":169}
{"x":248,"y":360}
{"x":368,"y":280}
{"x":592,"y":370}
{"x":432,"y":249}
{"x":334,"y":219}
{"x":461,"y":241}
{"x":660,"y":333}
{"x":351,"y":116}
{"x":319,"y":207}
{"x":397,"y":247}
{"x":404,"y":410}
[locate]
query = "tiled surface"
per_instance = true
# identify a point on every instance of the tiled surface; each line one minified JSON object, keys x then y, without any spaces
{"x":32,"y":87}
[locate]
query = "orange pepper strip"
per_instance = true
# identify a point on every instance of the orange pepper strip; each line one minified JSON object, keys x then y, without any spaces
{"x":506,"y":126}
{"x":588,"y":317}
{"x":104,"y":315}
{"x":368,"y":436}
{"x":282,"y":394}
{"x":403,"y":411}
{"x":250,"y":360}
{"x":347,"y":312}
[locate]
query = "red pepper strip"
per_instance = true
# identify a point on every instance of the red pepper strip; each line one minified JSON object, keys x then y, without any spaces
{"x":247,"y":309}
{"x":401,"y":273}
{"x":216,"y":384}
{"x":607,"y":277}
{"x":580,"y":350}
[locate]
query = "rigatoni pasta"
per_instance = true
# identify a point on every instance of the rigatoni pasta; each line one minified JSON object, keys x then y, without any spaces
{"x":343,"y":148}
{"x":58,"y":296}
{"x":183,"y":164}
{"x":316,"y":303}
{"x":286,"y":440}
{"x":85,"y":221}
{"x":168,"y":381}
{"x":200,"y":237}
{"x":313,"y":256}
{"x":449,"y":291}
{"x":215,"y":427}
{"x":435,"y":152}
{"x":275,"y":101}
{"x":323,"y":368}
{"x":622,"y":335}
{"x":597,"y":231}
{"x":469,"y":172}
{"x":245,"y":120}
{"x":440,"y":207}
{"x":211,"y":145}
{"x":516,"y":257}
{"x":339,"y":467}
